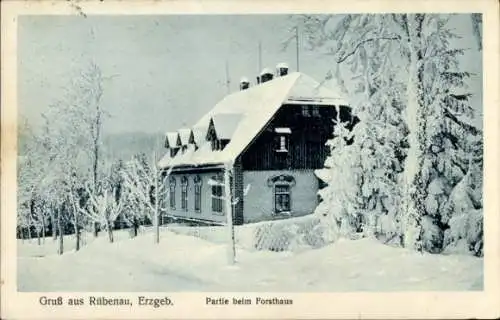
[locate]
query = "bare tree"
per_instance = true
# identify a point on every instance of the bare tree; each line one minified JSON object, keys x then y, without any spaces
{"x":103,"y":208}
{"x":147,"y":185}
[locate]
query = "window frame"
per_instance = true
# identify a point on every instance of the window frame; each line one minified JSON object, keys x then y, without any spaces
{"x":172,"y":188}
{"x":217,"y":192}
{"x":184,"y":191}
{"x":197,"y":193}
{"x":288,"y":193}
{"x":315,"y":111}
{"x":306,"y":111}
{"x":282,"y":142}
{"x":275,"y":182}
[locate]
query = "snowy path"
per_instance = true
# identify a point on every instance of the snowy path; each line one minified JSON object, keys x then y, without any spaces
{"x":101,"y":267}
{"x":184,"y":263}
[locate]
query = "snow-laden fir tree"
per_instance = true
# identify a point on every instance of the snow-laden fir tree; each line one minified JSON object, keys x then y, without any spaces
{"x":409,"y":151}
{"x":441,"y":135}
{"x":362,"y":191}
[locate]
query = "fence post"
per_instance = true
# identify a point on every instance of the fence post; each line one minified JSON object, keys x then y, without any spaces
{"x":229,"y":213}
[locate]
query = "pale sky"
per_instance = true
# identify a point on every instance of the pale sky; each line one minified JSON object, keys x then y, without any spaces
{"x":168,"y":70}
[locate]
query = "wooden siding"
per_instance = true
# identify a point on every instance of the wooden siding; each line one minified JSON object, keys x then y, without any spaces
{"x":306,"y":144}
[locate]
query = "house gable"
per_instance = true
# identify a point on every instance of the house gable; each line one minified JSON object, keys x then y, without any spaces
{"x":305,"y":128}
{"x":255,"y":107}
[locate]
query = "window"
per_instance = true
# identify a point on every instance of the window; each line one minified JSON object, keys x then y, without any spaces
{"x":172,"y":193}
{"x":305,"y":111}
{"x":217,"y":194}
{"x":315,"y":111}
{"x":184,"y":200}
{"x":216,"y":145}
{"x":282,"y":199}
{"x":281,"y":191}
{"x":282,"y":139}
{"x":197,"y":194}
{"x":282,"y":143}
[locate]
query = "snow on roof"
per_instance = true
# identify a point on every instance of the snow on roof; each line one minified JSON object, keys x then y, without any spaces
{"x":265,"y":71}
{"x":171,"y":139}
{"x":244,"y":79}
{"x":199,"y":134}
{"x":184,"y":134}
{"x":253,"y":107}
{"x":282,"y":65}
{"x":308,"y":89}
{"x":225,"y":124}
{"x":282,"y":130}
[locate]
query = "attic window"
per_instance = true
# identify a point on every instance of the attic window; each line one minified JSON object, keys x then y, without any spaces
{"x":282,"y":143}
{"x":216,"y":145}
{"x":305,"y":111}
{"x":173,"y":152}
{"x":315,"y":111}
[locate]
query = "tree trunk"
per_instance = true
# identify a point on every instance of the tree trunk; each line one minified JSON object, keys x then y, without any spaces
{"x":229,"y":214}
{"x":414,"y":193}
{"x":110,"y":231}
{"x":29,"y":233}
{"x":77,"y":236}
{"x":157,"y":212}
{"x":60,"y":228}
{"x":53,"y":224}
{"x":96,"y":152}
{"x":43,"y":231}
{"x":39,"y":233}
{"x":135,"y":225}
{"x":77,"y":229}
{"x":96,"y":230}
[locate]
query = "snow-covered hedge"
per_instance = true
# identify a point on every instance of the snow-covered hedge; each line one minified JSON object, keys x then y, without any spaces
{"x":282,"y":235}
{"x":278,"y":235}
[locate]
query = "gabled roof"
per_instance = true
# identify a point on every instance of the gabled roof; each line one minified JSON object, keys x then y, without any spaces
{"x":199,"y":134}
{"x":171,"y":139}
{"x":225,"y":124}
{"x":254,"y":107}
{"x":185,"y":136}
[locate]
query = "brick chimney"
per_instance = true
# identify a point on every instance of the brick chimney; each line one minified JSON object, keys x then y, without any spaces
{"x":266,"y":75}
{"x":244,"y":83}
{"x":281,"y":69}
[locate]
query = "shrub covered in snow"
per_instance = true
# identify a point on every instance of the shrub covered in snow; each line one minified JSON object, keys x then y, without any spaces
{"x":290,"y":234}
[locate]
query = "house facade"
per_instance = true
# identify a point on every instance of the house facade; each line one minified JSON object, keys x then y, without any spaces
{"x":270,"y":138}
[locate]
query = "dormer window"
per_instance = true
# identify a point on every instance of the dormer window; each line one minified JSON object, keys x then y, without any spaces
{"x":283,"y":137}
{"x":216,"y":144}
{"x":173,"y":152}
{"x":315,"y":111}
{"x":305,"y":111}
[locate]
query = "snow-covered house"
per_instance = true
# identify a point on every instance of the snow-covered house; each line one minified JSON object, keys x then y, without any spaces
{"x":272,"y":134}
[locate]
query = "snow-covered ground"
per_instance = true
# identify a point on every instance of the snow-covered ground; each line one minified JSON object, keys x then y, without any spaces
{"x":186,"y":263}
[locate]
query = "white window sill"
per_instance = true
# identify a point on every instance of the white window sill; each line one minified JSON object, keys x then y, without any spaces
{"x":283,"y":213}
{"x":282,"y":150}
